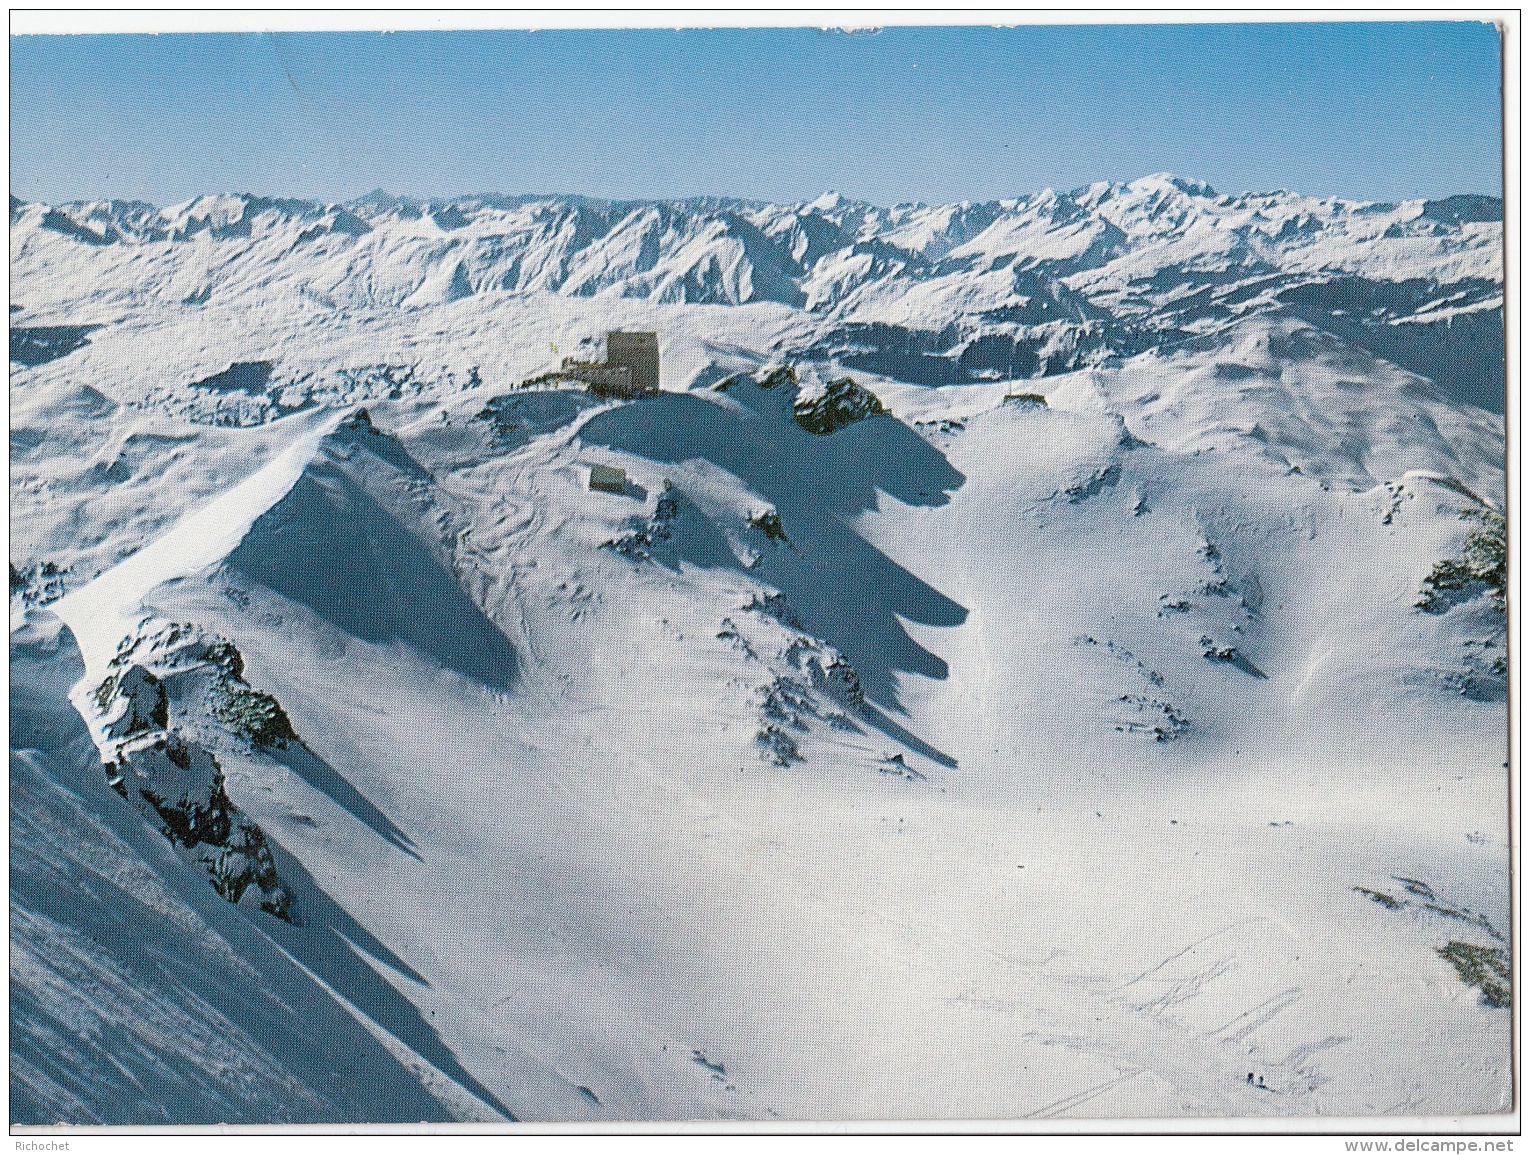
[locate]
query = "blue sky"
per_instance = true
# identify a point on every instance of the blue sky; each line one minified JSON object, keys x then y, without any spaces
{"x":1380,"y":111}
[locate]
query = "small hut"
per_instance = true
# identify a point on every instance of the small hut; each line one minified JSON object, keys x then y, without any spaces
{"x":608,"y":479}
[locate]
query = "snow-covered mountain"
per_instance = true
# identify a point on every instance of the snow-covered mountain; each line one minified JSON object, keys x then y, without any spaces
{"x":1014,"y":288}
{"x":1046,"y":657}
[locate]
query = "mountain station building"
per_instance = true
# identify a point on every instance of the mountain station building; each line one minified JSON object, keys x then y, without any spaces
{"x":631,"y":367}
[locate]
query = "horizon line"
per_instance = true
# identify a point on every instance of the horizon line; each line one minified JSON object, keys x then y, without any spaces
{"x":447,"y":200}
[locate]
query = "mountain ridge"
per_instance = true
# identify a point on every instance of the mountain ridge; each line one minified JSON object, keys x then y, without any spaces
{"x":381,"y":198}
{"x":1021,"y":287}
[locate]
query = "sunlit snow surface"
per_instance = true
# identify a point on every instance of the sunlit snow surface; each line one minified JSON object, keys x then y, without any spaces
{"x":585,"y":825}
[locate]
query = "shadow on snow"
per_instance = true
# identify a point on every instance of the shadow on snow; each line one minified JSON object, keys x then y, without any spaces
{"x":243,"y":975}
{"x":330,"y":546}
{"x":838,"y":585}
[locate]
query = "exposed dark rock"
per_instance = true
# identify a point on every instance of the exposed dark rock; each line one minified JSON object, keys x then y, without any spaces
{"x":841,"y":403}
{"x":1482,"y":567}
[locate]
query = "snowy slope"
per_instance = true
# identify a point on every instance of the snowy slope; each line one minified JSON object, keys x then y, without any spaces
{"x":1065,"y":744}
{"x":139,"y":996}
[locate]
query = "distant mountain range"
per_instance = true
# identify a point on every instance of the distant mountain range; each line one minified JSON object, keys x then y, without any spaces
{"x":938,"y":294}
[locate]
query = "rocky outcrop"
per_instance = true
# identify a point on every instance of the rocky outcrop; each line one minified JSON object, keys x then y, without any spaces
{"x":180,"y":787}
{"x":131,"y":701}
{"x":1482,"y":567}
{"x":257,"y":718}
{"x":842,"y":402}
{"x":177,"y":782}
{"x":793,"y":700}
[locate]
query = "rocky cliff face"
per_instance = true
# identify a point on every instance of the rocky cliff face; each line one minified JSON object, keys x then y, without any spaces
{"x":175,"y":780}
